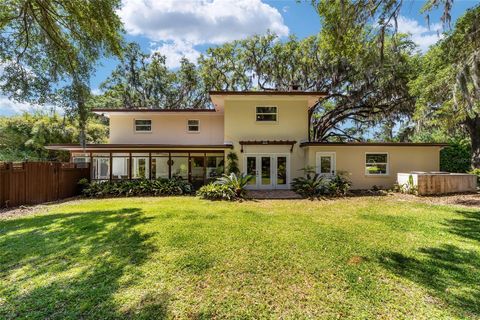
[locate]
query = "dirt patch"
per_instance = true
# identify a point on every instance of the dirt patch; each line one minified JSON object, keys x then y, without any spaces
{"x":355,"y":260}
{"x":464,"y":199}
{"x":7,"y":213}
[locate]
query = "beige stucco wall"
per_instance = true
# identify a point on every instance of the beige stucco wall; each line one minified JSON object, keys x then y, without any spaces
{"x":401,"y":159}
{"x":167,"y":129}
{"x":292,"y":124}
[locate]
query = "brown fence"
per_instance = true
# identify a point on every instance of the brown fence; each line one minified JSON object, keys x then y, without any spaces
{"x":37,"y":182}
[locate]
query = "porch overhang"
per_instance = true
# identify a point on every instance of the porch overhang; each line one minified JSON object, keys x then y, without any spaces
{"x":137,"y":147}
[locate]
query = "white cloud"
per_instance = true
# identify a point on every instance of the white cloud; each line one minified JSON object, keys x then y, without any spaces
{"x":423,"y":36}
{"x":177,"y":27}
{"x":175,"y":50}
{"x":200,"y":21}
{"x":10,"y":107}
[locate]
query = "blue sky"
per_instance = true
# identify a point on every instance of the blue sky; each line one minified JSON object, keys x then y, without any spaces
{"x":179,"y":28}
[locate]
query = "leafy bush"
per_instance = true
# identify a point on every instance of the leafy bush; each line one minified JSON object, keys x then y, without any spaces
{"x":214,"y":191}
{"x":314,"y":185}
{"x":456,"y":157}
{"x":310,"y":186}
{"x":476,"y":172}
{"x":227,"y":187}
{"x":235,"y":182}
{"x":127,"y":188}
{"x":339,"y":185}
{"x":232,"y":166}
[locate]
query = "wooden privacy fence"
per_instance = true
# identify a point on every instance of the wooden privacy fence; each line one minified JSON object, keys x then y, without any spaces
{"x":37,"y":182}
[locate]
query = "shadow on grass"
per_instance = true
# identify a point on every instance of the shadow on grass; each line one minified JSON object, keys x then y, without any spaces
{"x":70,"y":265}
{"x":449,"y":272}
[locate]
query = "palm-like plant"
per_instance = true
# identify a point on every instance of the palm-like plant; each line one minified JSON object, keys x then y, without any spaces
{"x":310,"y":186}
{"x":236,"y":182}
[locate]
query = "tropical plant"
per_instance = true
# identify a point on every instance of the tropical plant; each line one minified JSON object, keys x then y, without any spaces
{"x":339,"y":184}
{"x":409,"y":187}
{"x":127,"y":188}
{"x":214,"y":191}
{"x":310,"y":186}
{"x":235,"y":182}
{"x":232,"y":166}
{"x":313,"y":185}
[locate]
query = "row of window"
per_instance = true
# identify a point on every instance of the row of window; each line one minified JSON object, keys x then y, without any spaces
{"x":203,"y":166}
{"x":262,"y":114}
{"x":144,"y":125}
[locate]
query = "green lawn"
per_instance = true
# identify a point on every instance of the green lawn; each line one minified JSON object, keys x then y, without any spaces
{"x":188,"y":258}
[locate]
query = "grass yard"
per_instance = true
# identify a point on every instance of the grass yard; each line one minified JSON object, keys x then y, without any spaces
{"x":188,"y":258}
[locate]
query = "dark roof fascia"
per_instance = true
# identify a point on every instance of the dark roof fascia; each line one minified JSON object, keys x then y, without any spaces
{"x":390,"y":144}
{"x":152,"y":110}
{"x":135,"y":146}
{"x":268,"y":93}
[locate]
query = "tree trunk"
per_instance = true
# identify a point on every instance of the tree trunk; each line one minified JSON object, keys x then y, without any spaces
{"x":473,"y":127}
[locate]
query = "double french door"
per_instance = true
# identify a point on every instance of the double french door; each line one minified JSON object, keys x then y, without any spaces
{"x":269,"y":171}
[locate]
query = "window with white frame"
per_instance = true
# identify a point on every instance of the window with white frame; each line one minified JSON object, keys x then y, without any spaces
{"x":143,"y":125}
{"x":193,"y":126}
{"x":376,"y":163}
{"x":266,"y":114}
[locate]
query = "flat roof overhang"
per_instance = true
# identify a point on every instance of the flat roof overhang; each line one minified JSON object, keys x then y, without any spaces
{"x":106,"y":111}
{"x":136,"y":147}
{"x":218,"y":97}
{"x":389,"y":144}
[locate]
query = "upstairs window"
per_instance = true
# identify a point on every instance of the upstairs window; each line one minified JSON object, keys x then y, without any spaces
{"x":193,"y":126}
{"x":143,"y":125}
{"x":266,"y":114}
{"x":376,"y":164}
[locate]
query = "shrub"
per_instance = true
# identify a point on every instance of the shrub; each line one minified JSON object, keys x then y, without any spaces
{"x":214,"y":191}
{"x":310,"y":186}
{"x":127,"y":188}
{"x":409,"y":187}
{"x":339,"y":185}
{"x":314,"y":185}
{"x":227,"y":187}
{"x":476,"y":172}
{"x":456,"y":157}
{"x":235,"y":182}
{"x":232,"y":166}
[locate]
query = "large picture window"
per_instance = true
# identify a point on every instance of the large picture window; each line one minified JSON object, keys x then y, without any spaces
{"x":143,"y":125}
{"x":376,"y":163}
{"x":266,"y":114}
{"x":120,"y":165}
{"x":140,"y":168}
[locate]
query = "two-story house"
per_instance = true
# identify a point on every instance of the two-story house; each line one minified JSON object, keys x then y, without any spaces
{"x":267,"y":130}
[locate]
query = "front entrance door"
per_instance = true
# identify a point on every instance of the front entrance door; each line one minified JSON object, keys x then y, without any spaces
{"x":269,"y":171}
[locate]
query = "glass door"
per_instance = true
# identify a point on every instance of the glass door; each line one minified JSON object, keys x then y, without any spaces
{"x":265,"y":172}
{"x":251,"y":169}
{"x":268,"y":171}
{"x":326,"y":163}
{"x":281,"y":173}
{"x":197,"y":170}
